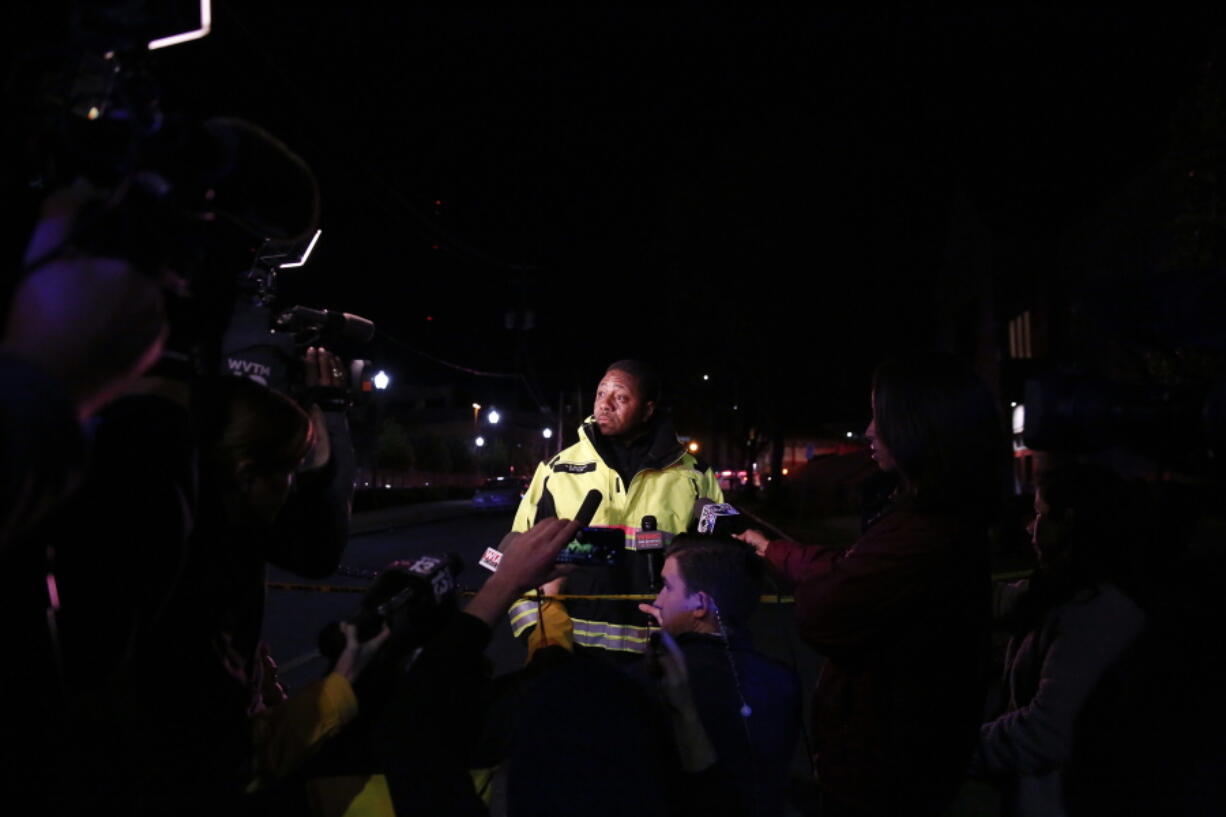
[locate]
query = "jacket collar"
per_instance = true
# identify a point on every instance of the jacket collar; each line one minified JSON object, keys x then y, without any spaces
{"x":665,"y":448}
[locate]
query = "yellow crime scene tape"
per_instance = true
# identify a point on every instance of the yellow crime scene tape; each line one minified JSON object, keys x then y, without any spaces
{"x":770,"y":598}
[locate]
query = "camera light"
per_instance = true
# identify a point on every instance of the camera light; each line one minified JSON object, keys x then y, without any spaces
{"x":305,"y":255}
{"x":206,"y":25}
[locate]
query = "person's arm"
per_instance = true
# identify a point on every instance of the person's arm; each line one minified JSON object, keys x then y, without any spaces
{"x":791,"y":561}
{"x":287,"y":735}
{"x":427,"y":732}
{"x":1085,"y":641}
{"x":852,"y":596}
{"x":312,"y":530}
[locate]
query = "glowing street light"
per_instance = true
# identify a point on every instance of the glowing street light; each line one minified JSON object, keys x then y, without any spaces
{"x":480,"y":441}
{"x":547,"y":432}
{"x":693,"y":447}
{"x":381,"y":380}
{"x":476,"y":408}
{"x":493,"y":417}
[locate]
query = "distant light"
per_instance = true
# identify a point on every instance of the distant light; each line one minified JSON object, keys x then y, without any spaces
{"x":493,"y":417}
{"x":305,"y":255}
{"x":1019,"y":419}
{"x":206,"y":24}
{"x":387,"y":485}
{"x":785,"y":472}
{"x":547,"y":433}
{"x":725,"y":473}
{"x":850,"y":435}
{"x":438,"y":203}
{"x":1013,"y":404}
{"x":734,"y":408}
{"x":476,"y":406}
{"x":480,"y":441}
{"x":429,"y":317}
{"x":693,"y":446}
{"x":381,"y":380}
{"x":706,"y":377}
{"x":93,"y":114}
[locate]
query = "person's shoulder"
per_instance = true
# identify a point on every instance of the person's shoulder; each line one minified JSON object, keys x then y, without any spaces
{"x":1103,"y":600}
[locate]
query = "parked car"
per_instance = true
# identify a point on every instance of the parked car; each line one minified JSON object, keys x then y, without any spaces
{"x":500,"y":494}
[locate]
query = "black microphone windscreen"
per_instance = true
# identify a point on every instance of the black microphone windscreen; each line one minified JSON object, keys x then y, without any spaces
{"x":588,"y":509}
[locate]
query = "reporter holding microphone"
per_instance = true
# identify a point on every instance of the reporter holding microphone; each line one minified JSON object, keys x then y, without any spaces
{"x":903,"y":615}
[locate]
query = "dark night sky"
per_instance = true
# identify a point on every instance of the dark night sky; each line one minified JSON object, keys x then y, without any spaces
{"x":736,"y":191}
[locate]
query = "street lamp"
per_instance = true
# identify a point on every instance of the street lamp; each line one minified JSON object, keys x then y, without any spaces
{"x":693,"y":446}
{"x":547,"y":433}
{"x":480,"y":441}
{"x":493,"y":417}
{"x":476,"y":408}
{"x":381,"y":380}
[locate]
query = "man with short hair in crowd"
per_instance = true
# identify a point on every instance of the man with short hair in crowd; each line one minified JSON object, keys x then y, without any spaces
{"x":748,"y":703}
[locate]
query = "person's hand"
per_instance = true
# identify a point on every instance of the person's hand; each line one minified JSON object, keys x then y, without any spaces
{"x":271,"y":690}
{"x":755,"y":538}
{"x":527,"y":562}
{"x":554,"y":587}
{"x":653,"y":611}
{"x":93,"y":323}
{"x":357,"y":654}
{"x":324,"y":370}
{"x":527,"y":559}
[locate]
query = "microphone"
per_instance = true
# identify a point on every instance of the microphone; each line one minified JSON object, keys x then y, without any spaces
{"x":588,"y":509}
{"x":650,"y":542}
{"x":717,"y":518}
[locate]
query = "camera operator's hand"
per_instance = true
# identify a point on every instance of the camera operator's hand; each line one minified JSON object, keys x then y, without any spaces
{"x":527,"y":562}
{"x":94,"y":323}
{"x":756,"y":538}
{"x":324,"y":370}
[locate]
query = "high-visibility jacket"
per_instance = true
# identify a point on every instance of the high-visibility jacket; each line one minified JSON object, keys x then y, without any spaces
{"x":666,"y":486}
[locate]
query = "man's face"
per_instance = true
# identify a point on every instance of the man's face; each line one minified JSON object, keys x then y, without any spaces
{"x":675,"y":601}
{"x":620,"y":408}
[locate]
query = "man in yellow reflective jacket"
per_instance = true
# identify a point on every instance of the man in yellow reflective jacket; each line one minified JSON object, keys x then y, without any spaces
{"x":629,"y":452}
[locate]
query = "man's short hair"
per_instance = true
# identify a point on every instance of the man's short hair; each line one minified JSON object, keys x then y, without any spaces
{"x":727,"y":570}
{"x":645,"y":374}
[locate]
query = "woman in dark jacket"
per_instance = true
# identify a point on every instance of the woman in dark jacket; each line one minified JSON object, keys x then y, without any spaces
{"x":902,"y":616}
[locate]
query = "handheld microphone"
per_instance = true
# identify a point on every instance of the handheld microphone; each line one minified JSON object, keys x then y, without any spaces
{"x":717,"y":518}
{"x":588,"y":509}
{"x":650,"y":542}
